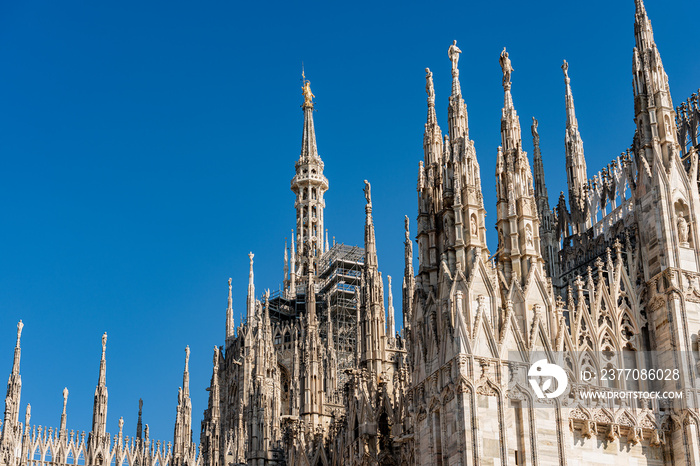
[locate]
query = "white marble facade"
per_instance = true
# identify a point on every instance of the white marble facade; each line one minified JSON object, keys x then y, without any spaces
{"x":606,"y":278}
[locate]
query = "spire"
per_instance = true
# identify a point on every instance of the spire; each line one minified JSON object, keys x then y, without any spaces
{"x":251,"y":292}
{"x":293,"y":272}
{"x":186,"y":373}
{"x":183,"y":419}
{"x":432,"y":138}
{"x":370,"y":243}
{"x":139,"y":423}
{"x":18,"y":351}
{"x":309,"y":185}
{"x":103,"y":363}
{"x":63,"y":414}
{"x":643,"y":32}
{"x":576,"y":175}
{"x":10,"y":425}
{"x":517,"y":220}
{"x":457,"y":110}
{"x":286,"y":265}
{"x":309,"y":151}
{"x":538,"y":170}
{"x":408,"y":278}
{"x":390,"y":326}
{"x":657,"y":134}
{"x":99,"y":409}
{"x":229,"y":312}
{"x":372,"y":318}
{"x":510,"y":123}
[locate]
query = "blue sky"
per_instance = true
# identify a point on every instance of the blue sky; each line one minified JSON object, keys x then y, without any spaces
{"x":147,"y":147}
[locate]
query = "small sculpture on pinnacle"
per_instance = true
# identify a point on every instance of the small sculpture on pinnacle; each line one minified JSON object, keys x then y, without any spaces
{"x":453,"y":52}
{"x":506,"y":67}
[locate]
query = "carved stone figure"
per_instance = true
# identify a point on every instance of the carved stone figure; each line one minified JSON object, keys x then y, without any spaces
{"x":453,"y":52}
{"x":429,"y":88}
{"x":682,"y":230}
{"x":506,"y":67}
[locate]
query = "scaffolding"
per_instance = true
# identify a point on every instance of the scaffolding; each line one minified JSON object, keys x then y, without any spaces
{"x":339,"y":279}
{"x":337,"y":292}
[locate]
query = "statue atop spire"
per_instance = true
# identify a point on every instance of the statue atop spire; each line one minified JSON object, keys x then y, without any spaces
{"x":506,"y":67}
{"x":104,"y":344}
{"x":306,"y":91}
{"x":429,"y":87}
{"x":368,"y":193}
{"x":20,"y":326}
{"x":453,"y":52}
{"x":535,"y":134}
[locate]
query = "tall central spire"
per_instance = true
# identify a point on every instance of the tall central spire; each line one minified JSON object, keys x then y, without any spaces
{"x":309,"y":185}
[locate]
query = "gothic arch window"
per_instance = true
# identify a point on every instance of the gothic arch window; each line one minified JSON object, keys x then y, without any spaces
{"x":304,"y":195}
{"x":278,"y":339}
{"x":313,"y":193}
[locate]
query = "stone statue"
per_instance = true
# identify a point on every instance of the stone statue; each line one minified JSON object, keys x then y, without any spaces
{"x":308,"y":96}
{"x":429,"y":88}
{"x":453,"y":52}
{"x":565,"y":68}
{"x":65,"y":396}
{"x":506,"y":67}
{"x":104,"y":342}
{"x":474,"y":228}
{"x":682,"y":230}
{"x":20,"y":326}
{"x":368,"y":192}
{"x":27,"y":415}
{"x":535,"y":134}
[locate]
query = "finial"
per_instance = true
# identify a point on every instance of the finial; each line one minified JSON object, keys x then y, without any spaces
{"x":187,"y":357}
{"x":65,"y":395}
{"x":250,"y":256}
{"x":104,"y":344}
{"x":506,"y":67}
{"x":405,"y":223}
{"x":368,"y":193}
{"x":27,"y":415}
{"x":140,"y":405}
{"x":565,"y":68}
{"x":453,"y":52}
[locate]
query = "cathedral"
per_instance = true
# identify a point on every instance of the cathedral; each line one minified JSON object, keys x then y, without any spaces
{"x":574,"y":340}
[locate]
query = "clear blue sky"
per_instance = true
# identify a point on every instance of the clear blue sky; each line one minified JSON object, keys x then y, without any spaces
{"x":148,"y":146}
